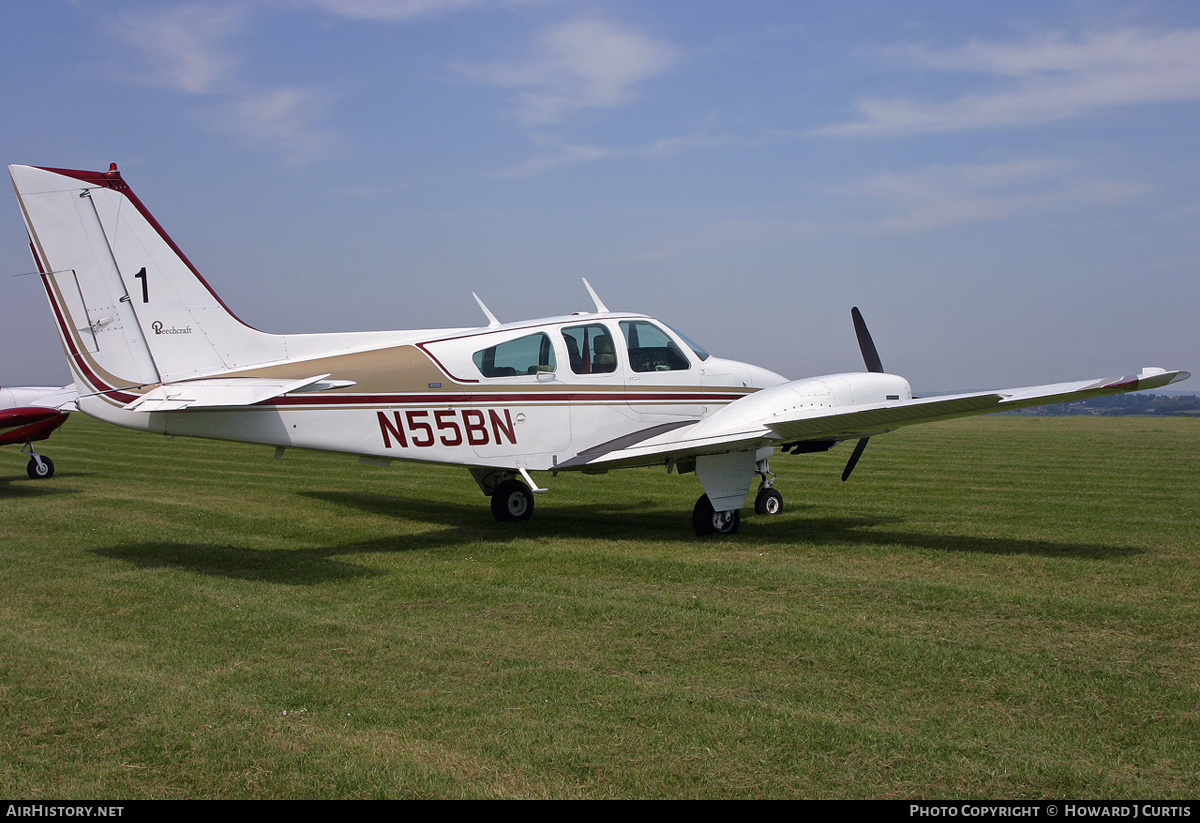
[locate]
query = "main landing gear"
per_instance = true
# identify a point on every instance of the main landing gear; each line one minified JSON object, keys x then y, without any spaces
{"x":39,"y":467}
{"x":708,"y":521}
{"x":512,"y":501}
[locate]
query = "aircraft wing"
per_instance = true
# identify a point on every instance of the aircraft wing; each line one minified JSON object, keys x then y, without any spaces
{"x":226,"y":391}
{"x":777,"y":416}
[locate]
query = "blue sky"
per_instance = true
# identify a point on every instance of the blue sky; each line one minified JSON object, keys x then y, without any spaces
{"x":1010,"y":191}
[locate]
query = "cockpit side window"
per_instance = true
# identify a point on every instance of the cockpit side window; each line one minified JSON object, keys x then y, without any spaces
{"x":650,"y":349}
{"x":590,"y":349}
{"x":525,"y":355}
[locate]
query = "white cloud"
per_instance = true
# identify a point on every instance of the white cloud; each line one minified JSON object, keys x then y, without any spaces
{"x":285,"y":119}
{"x":941,"y":196}
{"x":1048,"y":78}
{"x":392,"y":10}
{"x":193,"y":49}
{"x":557,"y":153}
{"x":181,"y":48}
{"x":577,"y":65}
{"x":932,"y":198}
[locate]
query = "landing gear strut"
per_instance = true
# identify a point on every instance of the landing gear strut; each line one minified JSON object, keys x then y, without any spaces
{"x":768,"y":500}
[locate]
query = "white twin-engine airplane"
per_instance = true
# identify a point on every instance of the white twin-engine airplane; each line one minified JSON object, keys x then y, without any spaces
{"x":152,"y":347}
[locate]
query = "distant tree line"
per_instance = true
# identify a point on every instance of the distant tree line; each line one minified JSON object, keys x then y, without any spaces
{"x":1138,"y":403}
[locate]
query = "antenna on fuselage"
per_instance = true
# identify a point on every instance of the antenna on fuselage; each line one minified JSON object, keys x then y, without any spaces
{"x":600,"y":307}
{"x":492,"y":321}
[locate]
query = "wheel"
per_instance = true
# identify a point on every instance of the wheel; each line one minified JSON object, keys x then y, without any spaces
{"x":768,"y":501}
{"x":40,"y":471}
{"x":706,"y":520}
{"x":511,"y":501}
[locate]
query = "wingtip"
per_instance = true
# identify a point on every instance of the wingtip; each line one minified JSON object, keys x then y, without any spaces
{"x":1154,"y":377}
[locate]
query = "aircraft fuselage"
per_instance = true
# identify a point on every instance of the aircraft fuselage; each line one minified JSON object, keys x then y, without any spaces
{"x":519,"y":395}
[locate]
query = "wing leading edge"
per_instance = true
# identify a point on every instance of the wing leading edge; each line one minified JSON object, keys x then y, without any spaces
{"x":788,"y":414}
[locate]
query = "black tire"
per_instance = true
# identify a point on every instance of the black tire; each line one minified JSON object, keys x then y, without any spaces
{"x":43,"y":472}
{"x":707,"y":521}
{"x":512,"y":501}
{"x":768,"y":501}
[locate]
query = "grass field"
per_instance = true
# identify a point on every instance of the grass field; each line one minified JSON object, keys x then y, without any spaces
{"x":1000,"y":607}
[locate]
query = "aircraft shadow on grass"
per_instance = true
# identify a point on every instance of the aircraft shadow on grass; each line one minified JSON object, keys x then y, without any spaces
{"x":608,"y":519}
{"x":458,"y":525}
{"x":18,"y":485}
{"x":296,"y":567}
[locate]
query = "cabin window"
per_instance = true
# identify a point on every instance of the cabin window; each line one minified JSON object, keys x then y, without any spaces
{"x":525,"y":355}
{"x":590,"y":349}
{"x":650,"y":349}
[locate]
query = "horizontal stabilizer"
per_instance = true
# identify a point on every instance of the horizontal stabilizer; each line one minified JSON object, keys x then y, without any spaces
{"x":63,"y":399}
{"x":226,"y":391}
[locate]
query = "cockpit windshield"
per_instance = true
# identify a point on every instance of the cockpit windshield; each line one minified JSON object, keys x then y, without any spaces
{"x":692,"y":344}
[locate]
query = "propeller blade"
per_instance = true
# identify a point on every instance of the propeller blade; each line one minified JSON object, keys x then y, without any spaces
{"x":857,"y":453}
{"x":865,"y":343}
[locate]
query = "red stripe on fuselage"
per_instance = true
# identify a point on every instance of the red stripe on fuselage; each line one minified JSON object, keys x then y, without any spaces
{"x":434,"y":399}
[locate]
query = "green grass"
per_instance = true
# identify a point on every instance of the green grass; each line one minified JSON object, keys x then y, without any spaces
{"x":999,"y":607}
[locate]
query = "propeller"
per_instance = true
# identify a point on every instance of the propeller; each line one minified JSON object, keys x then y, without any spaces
{"x":870,"y":355}
{"x":871,"y":358}
{"x":857,"y":453}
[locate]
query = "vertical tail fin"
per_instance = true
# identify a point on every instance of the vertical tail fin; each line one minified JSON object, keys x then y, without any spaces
{"x":130,"y":308}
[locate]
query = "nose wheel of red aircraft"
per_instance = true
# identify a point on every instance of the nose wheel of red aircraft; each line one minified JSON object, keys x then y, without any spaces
{"x":706,"y":520}
{"x":39,"y":467}
{"x":512,"y":501}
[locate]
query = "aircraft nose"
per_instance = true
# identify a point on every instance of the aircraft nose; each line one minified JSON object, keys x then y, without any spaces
{"x":762,"y":378}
